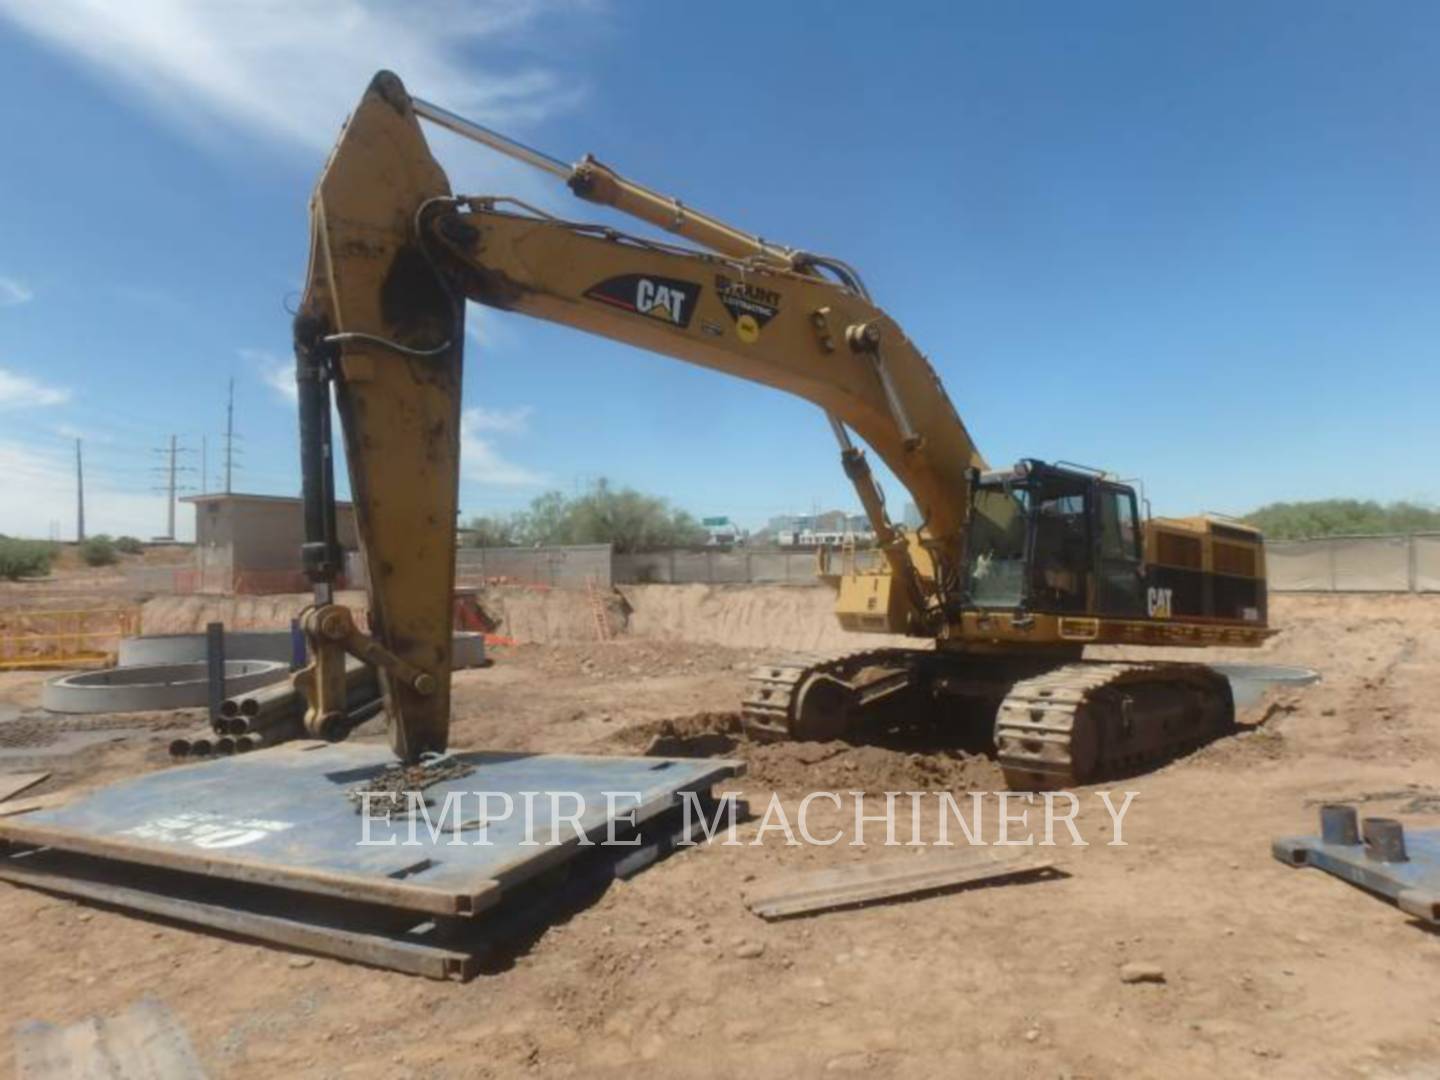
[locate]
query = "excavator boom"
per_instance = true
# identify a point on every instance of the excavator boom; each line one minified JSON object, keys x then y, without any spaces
{"x":394,"y":255}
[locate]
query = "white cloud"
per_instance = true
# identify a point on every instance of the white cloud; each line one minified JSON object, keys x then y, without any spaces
{"x":277,"y":374}
{"x":293,"y":69}
{"x":39,"y":494}
{"x":281,"y":379}
{"x":509,"y":421}
{"x":480,"y":461}
{"x":14,"y":292}
{"x":490,"y":328}
{"x":23,"y":392}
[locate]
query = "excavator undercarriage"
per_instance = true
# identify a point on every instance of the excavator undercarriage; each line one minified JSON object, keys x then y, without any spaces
{"x":1055,"y":724}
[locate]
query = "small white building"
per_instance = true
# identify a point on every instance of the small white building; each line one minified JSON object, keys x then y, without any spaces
{"x":251,"y":543}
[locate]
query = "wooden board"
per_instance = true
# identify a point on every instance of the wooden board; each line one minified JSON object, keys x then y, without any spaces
{"x":889,"y":879}
{"x":13,"y":783}
{"x":145,"y":1042}
{"x":47,"y":801}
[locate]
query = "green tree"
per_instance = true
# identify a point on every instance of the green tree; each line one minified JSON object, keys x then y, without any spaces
{"x":129,"y":545}
{"x":627,"y":519}
{"x":99,"y":551}
{"x":24,"y":558}
{"x":496,"y":531}
{"x":545,"y":520}
{"x":1341,"y":517}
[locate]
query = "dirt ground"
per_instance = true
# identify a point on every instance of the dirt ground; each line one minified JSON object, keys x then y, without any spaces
{"x":1267,"y":970}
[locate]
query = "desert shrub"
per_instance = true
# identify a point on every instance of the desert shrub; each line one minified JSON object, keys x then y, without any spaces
{"x":24,"y":558}
{"x":128,"y":545}
{"x":99,"y":551}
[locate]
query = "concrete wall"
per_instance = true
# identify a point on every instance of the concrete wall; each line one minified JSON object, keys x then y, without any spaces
{"x":214,"y":553}
{"x":267,"y":535}
{"x":252,"y":544}
{"x":271,"y":544}
{"x":560,"y":567}
{"x":1355,"y":564}
{"x":716,"y":567}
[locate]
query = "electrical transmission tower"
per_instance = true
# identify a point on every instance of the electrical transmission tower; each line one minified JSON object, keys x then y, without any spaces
{"x":230,"y":436}
{"x":172,"y":469}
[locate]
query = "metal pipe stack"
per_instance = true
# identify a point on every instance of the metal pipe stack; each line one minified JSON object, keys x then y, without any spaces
{"x":275,"y":714}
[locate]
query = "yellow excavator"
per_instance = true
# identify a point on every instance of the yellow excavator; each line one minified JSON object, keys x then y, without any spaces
{"x":1011,"y":573}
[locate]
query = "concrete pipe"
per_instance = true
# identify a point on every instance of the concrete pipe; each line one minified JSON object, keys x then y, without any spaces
{"x":190,"y":648}
{"x":154,"y":686}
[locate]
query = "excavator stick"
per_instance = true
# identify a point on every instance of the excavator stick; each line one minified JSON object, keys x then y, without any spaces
{"x":380,"y":332}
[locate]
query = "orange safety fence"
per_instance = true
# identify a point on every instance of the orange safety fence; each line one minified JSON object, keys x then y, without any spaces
{"x":41,"y":639}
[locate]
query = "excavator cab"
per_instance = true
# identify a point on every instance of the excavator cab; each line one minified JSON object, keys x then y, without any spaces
{"x":1055,"y":539}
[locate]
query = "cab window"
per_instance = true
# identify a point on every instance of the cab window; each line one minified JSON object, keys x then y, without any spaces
{"x":1119,"y":536}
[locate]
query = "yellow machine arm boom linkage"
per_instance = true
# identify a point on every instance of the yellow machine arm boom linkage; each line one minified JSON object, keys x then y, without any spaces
{"x":394,"y":255}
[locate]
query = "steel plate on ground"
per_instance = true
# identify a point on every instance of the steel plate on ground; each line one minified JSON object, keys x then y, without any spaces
{"x":280,"y":817}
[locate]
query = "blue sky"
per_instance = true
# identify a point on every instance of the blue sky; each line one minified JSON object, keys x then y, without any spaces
{"x":1194,"y":243}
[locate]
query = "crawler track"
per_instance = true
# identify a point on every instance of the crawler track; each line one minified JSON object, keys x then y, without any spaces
{"x":1090,"y":720}
{"x":1059,"y":726}
{"x":815,"y":698}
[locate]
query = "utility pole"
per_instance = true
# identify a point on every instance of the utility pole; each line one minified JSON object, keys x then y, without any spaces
{"x":229,"y":434}
{"x":172,"y":485}
{"x":204,"y":464}
{"x":79,"y":495}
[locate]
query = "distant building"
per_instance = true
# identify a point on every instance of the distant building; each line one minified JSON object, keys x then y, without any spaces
{"x":251,"y":543}
{"x":833,"y":528}
{"x":721,"y":532}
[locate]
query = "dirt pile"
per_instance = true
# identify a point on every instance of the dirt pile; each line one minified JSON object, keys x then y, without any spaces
{"x":785,"y":617}
{"x":814,"y":766}
{"x":550,"y":616}
{"x":795,"y":617}
{"x":628,"y":660}
{"x":840,"y":766}
{"x":190,"y":614}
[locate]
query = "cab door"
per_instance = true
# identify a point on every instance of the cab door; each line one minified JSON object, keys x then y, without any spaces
{"x":1119,"y":569}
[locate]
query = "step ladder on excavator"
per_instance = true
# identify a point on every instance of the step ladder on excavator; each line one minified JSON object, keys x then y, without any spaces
{"x":597,"y":610}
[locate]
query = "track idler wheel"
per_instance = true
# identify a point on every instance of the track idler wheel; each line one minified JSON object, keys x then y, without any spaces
{"x":824,"y":709}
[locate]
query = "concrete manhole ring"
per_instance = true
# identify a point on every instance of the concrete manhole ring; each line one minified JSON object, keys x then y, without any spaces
{"x":153,"y":686}
{"x":156,"y":649}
